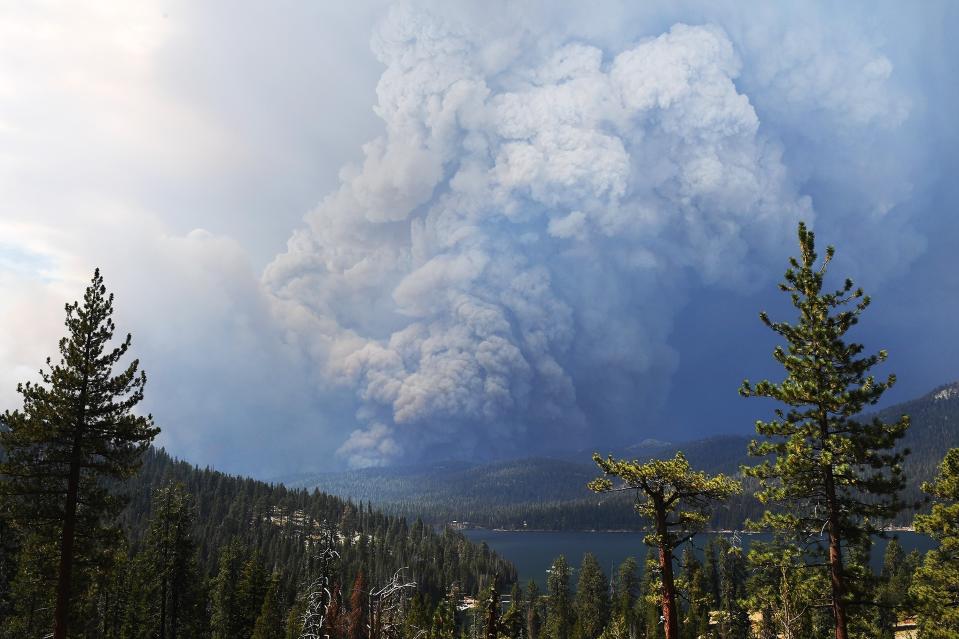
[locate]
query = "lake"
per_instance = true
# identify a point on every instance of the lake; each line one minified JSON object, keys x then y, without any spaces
{"x":533,"y":552}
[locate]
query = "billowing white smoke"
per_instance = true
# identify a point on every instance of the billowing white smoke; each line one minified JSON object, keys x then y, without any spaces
{"x":505,"y":265}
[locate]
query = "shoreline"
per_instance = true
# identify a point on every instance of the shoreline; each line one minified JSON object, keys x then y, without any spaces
{"x":891,"y":529}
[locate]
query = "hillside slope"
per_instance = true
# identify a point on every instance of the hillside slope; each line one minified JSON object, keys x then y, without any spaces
{"x":281,"y":524}
{"x":546,"y":493}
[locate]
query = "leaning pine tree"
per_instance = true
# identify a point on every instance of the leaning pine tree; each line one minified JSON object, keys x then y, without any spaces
{"x":830,"y":470}
{"x":76,"y":429}
{"x":676,"y":500}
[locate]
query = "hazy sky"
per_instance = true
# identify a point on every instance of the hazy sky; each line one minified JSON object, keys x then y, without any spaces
{"x":369,"y":232}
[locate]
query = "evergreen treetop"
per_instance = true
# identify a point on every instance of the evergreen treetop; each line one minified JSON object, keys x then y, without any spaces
{"x":671,"y":495}
{"x":820,"y":450}
{"x":76,"y":428}
{"x":833,"y":471}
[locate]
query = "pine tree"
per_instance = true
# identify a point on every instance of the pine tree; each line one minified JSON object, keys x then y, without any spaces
{"x":711,"y":570}
{"x":491,"y":620}
{"x":117,"y":594}
{"x":136,"y":614}
{"x":935,"y":586}
{"x":294,"y":621}
{"x":864,"y":589}
{"x":8,"y":565}
{"x":228,"y":620}
{"x":649,"y":607}
{"x":831,"y":471}
{"x":891,"y":588}
{"x":592,"y":599}
{"x":698,"y":596}
{"x":356,"y":624}
{"x":514,"y":618}
{"x":335,"y":620}
{"x":534,"y":620}
{"x":559,"y":609}
{"x":896,"y":582}
{"x":733,"y":618}
{"x":31,"y":596}
{"x":676,"y":500}
{"x":76,"y":430}
{"x":170,"y":561}
{"x":783,"y":587}
{"x":444,"y":618}
{"x":269,"y":623}
{"x":250,"y":593}
{"x":417,"y":620}
{"x":625,"y":593}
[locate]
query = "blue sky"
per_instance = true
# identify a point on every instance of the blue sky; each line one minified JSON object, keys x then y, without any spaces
{"x":396,"y":231}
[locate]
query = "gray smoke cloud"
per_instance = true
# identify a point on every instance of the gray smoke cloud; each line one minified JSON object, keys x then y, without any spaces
{"x":504,"y":267}
{"x":557,"y":234}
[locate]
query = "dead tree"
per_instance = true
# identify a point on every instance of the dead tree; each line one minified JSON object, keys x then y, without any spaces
{"x":387,"y":605}
{"x":320,"y":591}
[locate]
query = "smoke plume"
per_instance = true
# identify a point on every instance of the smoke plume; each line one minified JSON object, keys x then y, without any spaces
{"x":503,"y":269}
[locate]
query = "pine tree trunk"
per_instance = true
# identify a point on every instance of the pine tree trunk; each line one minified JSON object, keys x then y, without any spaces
{"x":670,"y":622}
{"x":836,"y":576}
{"x":174,"y":610}
{"x":165,"y":574}
{"x":492,"y":614}
{"x":61,"y":612}
{"x":163,"y":583}
{"x":176,"y":587}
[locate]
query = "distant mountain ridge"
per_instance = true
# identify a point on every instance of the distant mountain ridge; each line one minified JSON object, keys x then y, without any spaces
{"x":551,"y":493}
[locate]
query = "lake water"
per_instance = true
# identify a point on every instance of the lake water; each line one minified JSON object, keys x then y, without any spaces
{"x":533,"y":552}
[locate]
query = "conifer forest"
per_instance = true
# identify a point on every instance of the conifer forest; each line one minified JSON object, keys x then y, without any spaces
{"x":105,"y":536}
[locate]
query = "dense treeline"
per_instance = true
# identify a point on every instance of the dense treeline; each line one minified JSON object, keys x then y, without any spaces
{"x":278,"y":522}
{"x":609,"y":512}
{"x":726,"y":593}
{"x":776,"y":590}
{"x":242,"y":544}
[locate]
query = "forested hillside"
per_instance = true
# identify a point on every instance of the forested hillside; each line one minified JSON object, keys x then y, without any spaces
{"x":551,"y":494}
{"x":279,"y":522}
{"x":240,"y":553}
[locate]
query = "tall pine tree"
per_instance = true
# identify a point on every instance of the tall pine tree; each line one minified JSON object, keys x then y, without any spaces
{"x":592,"y":599}
{"x":76,"y":430}
{"x":625,"y":594}
{"x":229,"y":618}
{"x":269,"y":623}
{"x":170,"y":562}
{"x":733,"y":617}
{"x":559,"y":609}
{"x":534,"y":619}
{"x":830,"y":470}
{"x":698,"y":596}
